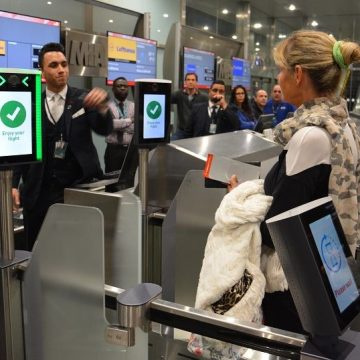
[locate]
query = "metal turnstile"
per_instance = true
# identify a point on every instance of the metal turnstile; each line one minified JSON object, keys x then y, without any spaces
{"x":181,"y":209}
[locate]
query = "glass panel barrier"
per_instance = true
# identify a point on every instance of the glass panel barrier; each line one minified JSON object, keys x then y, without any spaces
{"x":63,"y":291}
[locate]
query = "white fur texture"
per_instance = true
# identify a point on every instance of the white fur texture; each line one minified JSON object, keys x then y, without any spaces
{"x":233,"y":245}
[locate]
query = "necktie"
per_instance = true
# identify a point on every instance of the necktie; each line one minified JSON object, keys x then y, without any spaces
{"x":213,"y":113}
{"x":56,"y":109}
{"x":121,"y":107}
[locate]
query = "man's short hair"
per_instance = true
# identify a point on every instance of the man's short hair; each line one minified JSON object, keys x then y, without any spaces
{"x":218,"y":82}
{"x":191,"y":73}
{"x":119,"y":78}
{"x":257,"y":92}
{"x":49,"y":47}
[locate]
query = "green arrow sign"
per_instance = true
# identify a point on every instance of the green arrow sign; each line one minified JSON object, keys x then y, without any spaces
{"x":24,"y":81}
{"x":2,"y":81}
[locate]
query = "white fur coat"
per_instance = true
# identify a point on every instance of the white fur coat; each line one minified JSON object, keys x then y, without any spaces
{"x":233,"y":245}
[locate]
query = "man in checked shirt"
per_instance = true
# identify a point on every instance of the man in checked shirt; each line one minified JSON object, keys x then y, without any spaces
{"x":122,"y":111}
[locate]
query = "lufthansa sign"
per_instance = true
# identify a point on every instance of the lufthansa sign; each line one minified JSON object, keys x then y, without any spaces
{"x":86,"y":53}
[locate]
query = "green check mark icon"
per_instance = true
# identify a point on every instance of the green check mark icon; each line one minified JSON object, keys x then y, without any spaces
{"x":13,"y":114}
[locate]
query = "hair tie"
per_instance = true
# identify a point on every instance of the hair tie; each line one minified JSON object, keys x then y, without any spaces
{"x":338,"y":55}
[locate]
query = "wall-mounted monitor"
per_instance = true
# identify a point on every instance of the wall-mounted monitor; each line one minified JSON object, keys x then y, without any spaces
{"x":22,"y":37}
{"x":202,"y":63}
{"x":20,"y":116}
{"x":130,"y":57}
{"x":241,"y":73}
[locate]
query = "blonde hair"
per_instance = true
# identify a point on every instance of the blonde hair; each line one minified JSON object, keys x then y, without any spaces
{"x":313,"y":50}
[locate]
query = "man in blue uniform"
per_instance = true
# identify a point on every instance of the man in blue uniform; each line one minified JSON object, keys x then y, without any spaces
{"x":277,"y":106}
{"x":122,"y":111}
{"x":68,"y":115}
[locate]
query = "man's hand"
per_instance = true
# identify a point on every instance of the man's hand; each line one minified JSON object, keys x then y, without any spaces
{"x":219,"y":100}
{"x":96,"y":98}
{"x":223,"y":104}
{"x":16,"y":199}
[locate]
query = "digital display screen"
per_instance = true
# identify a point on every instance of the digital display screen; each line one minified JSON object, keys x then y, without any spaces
{"x":20,"y":116}
{"x":130,"y":57}
{"x":334,"y":262}
{"x":152,"y":112}
{"x":15,"y":125}
{"x":154,"y":116}
{"x":22,"y":37}
{"x":241,"y":73}
{"x":202,"y":63}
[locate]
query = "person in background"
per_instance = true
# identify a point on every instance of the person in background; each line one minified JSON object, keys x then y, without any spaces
{"x":277,"y":106}
{"x":258,"y":102}
{"x":122,"y":111}
{"x":213,"y":116}
{"x":240,"y":104}
{"x":185,"y":99}
{"x":321,"y":146}
{"x":69,"y":155}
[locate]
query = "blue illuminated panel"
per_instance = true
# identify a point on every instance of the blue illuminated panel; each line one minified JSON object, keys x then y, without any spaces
{"x":202,"y":63}
{"x":22,"y":37}
{"x":241,"y":73}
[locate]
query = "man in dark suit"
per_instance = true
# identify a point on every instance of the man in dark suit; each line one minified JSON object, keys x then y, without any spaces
{"x":212,"y":117}
{"x":185,"y":99}
{"x":68,"y":115}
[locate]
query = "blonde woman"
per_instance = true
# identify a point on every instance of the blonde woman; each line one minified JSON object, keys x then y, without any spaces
{"x":321,"y":145}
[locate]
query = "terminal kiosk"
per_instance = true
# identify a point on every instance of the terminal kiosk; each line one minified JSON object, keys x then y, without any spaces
{"x":317,"y":261}
{"x":20,"y":116}
{"x":152,"y":112}
{"x":20,"y":143}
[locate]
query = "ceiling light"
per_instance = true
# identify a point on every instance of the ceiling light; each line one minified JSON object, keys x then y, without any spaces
{"x":49,"y":2}
{"x":281,"y":36}
{"x":314,"y":23}
{"x":257,"y":26}
{"x":165,"y":15}
{"x":225,"y":11}
{"x":65,"y":21}
{"x":111,"y":21}
{"x":234,"y":37}
{"x":211,"y":37}
{"x":158,"y":30}
{"x":257,"y":43}
{"x":206,"y":27}
{"x":257,"y":49}
{"x":292,"y":7}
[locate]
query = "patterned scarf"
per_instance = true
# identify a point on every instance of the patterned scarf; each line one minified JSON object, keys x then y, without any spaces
{"x":331,"y":114}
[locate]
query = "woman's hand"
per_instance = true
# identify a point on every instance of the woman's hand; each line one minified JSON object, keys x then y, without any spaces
{"x":233,"y":183}
{"x":16,"y":199}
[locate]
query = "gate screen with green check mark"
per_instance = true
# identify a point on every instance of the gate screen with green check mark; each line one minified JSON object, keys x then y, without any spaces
{"x":20,"y":116}
{"x":154,"y":116}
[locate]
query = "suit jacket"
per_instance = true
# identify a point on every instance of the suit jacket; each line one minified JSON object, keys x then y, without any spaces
{"x":199,"y":122}
{"x":184,"y":106}
{"x":78,"y":134}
